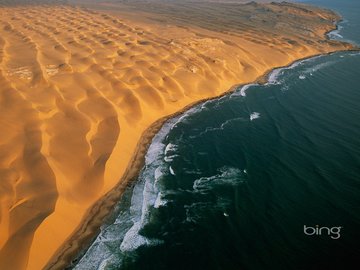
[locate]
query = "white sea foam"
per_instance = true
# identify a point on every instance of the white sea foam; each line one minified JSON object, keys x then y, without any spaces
{"x":254,"y":115}
{"x":242,"y":90}
{"x":169,"y":153}
{"x":273,"y":76}
{"x":226,"y":176}
{"x":317,"y":67}
{"x":194,"y":210}
{"x":354,"y":54}
{"x":172,"y":171}
{"x":169,"y":159}
{"x":98,"y":254}
{"x":146,"y":193}
{"x":109,"y":263}
{"x":170,"y":147}
{"x":134,"y":240}
{"x":160,"y":201}
{"x":190,"y":112}
{"x":302,"y":77}
{"x":158,"y":173}
{"x":126,"y":235}
{"x":335,"y":34}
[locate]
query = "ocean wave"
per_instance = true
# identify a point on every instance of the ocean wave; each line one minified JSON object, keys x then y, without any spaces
{"x":254,"y":115}
{"x":123,"y":235}
{"x":170,"y":152}
{"x":187,"y":114}
{"x":147,"y":193}
{"x":219,"y":128}
{"x":160,"y":201}
{"x":198,"y":211}
{"x":335,"y":34}
{"x":354,"y":54}
{"x":172,"y":172}
{"x":169,"y":159}
{"x":274,"y":76}
{"x":242,"y":90}
{"x":100,"y":257}
{"x":311,"y":70}
{"x":315,"y":68}
{"x":133,"y":240}
{"x":227,"y":176}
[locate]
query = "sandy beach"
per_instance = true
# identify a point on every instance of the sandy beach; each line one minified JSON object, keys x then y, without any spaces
{"x":83,"y":89}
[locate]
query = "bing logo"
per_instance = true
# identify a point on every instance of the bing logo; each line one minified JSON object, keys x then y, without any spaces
{"x":333,"y":232}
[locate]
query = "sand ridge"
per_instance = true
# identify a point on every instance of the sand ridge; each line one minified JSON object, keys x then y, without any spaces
{"x":79,"y":87}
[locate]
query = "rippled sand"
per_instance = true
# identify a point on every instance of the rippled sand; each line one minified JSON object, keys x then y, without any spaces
{"x":79,"y":86}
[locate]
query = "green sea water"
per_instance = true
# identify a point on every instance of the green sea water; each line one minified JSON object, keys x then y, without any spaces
{"x":232,"y":182}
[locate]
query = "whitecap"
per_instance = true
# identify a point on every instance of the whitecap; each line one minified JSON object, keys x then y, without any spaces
{"x":160,"y":201}
{"x":274,"y":75}
{"x":242,"y":90}
{"x":335,"y":34}
{"x":254,"y":115}
{"x":170,"y":148}
{"x":172,"y":171}
{"x":221,"y":127}
{"x":168,"y":159}
{"x":228,"y":176}
{"x":134,"y":240}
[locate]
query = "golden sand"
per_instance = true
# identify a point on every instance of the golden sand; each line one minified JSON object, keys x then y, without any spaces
{"x":79,"y":88}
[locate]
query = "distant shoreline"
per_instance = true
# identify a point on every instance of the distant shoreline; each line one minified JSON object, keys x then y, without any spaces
{"x":83,"y":237}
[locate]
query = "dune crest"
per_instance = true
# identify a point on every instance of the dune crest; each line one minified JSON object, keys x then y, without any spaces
{"x":78,"y":88}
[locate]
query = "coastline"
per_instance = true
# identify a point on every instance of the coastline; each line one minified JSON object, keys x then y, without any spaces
{"x":91,"y":84}
{"x":89,"y":228}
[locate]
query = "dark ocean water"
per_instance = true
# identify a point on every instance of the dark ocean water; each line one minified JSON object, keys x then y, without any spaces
{"x":232,"y":183}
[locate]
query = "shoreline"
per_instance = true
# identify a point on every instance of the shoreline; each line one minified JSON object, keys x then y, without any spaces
{"x":82,"y":237}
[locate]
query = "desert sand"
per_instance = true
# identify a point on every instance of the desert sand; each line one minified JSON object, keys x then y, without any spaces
{"x":84,"y":87}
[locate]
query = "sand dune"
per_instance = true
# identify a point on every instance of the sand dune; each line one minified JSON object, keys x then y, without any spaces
{"x":78,"y":88}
